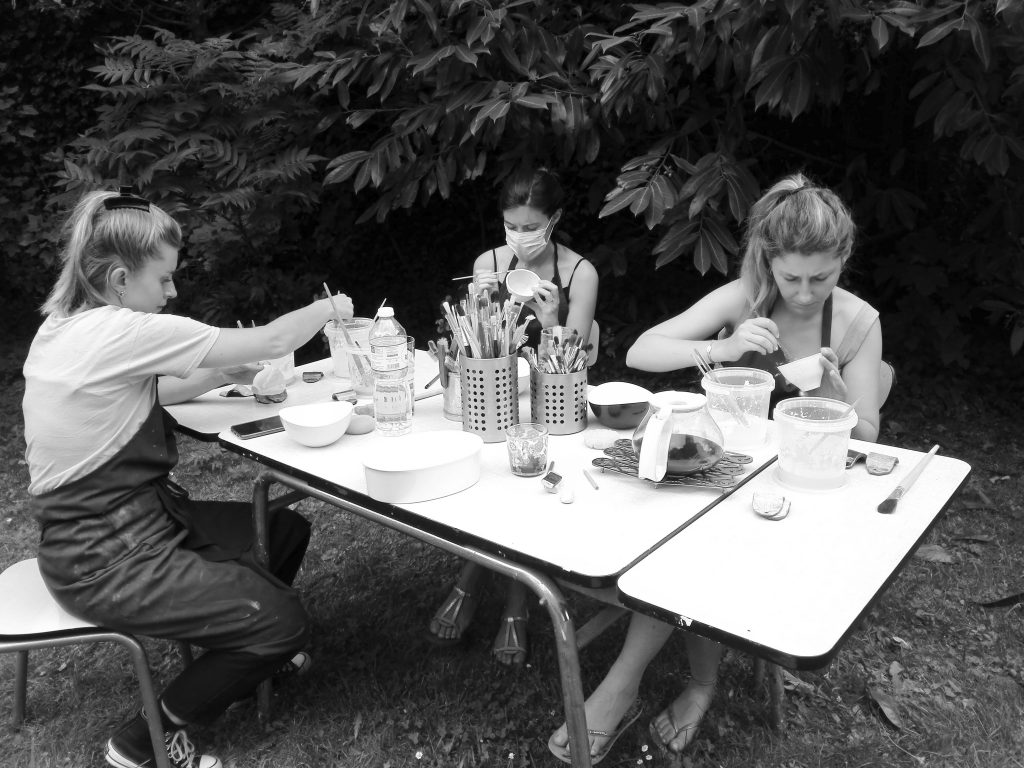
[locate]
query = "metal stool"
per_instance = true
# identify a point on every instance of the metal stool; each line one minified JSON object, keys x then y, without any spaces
{"x":30,"y":618}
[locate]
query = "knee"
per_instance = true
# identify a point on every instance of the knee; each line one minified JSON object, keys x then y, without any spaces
{"x":284,"y":628}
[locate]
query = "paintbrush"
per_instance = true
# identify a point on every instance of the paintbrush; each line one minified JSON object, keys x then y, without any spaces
{"x":889,"y":505}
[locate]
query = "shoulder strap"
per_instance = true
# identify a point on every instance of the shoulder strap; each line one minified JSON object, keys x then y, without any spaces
{"x":568,"y":286}
{"x":826,"y":323}
{"x":556,"y":278}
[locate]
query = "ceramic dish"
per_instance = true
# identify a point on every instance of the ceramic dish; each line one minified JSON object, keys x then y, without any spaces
{"x":422,"y":466}
{"x":316,"y":424}
{"x":805,"y":373}
{"x":521,"y":284}
{"x":618,"y":404}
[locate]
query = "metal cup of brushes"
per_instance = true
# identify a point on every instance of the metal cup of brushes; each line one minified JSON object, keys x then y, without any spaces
{"x":487,"y":335}
{"x":558,"y":381}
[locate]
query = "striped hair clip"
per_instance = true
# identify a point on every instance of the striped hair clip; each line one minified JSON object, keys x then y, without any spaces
{"x":125,"y":199}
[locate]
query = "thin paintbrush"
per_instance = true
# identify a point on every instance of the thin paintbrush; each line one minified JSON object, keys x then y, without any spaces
{"x":889,"y":505}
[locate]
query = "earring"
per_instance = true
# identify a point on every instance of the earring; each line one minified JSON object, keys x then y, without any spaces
{"x":120,"y":294}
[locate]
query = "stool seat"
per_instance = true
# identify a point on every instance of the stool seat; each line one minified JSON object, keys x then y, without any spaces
{"x":28,"y":608}
{"x":31,"y":619}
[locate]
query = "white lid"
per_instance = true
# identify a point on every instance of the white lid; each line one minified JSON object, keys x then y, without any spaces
{"x":386,"y":312}
{"x":421,"y":450}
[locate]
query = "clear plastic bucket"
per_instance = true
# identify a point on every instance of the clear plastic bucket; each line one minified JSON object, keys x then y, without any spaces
{"x":738,"y":402}
{"x":342,"y":353}
{"x":813,"y":438}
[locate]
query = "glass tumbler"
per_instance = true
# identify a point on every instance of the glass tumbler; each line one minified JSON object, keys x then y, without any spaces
{"x":527,"y":448}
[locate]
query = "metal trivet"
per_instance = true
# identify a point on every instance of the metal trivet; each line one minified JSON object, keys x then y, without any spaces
{"x":622,"y":458}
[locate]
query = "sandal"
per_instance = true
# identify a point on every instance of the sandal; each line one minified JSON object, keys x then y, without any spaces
{"x":455,"y":612}
{"x":632,"y":715}
{"x":689,"y":730}
{"x":510,"y":644}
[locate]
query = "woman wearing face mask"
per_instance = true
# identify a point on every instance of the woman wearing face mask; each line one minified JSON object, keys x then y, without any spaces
{"x":531,"y":206}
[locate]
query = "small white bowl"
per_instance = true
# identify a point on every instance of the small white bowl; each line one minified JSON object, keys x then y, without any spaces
{"x":805,"y":373}
{"x":521,"y":284}
{"x":317,"y":424}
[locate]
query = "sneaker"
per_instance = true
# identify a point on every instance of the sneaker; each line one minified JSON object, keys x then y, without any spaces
{"x":296,"y":666}
{"x":131,"y":747}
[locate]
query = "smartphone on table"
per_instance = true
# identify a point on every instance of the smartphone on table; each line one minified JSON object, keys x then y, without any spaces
{"x":267,"y":426}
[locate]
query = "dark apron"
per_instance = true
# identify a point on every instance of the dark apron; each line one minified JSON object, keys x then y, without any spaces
{"x":125,"y":531}
{"x":770,"y":363}
{"x":534,"y":328}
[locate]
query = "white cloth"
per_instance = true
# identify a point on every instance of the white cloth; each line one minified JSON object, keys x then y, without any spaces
{"x":90,"y":382}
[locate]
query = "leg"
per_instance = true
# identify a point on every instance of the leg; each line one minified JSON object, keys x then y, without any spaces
{"x":454,"y":615}
{"x":510,"y":642}
{"x":677,"y":726}
{"x":609,"y":703}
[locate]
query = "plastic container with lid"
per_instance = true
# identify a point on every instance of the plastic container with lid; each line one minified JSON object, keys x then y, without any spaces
{"x":813,"y":435}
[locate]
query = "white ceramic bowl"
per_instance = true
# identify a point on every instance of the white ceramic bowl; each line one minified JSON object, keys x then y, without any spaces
{"x":316,"y":424}
{"x":805,"y":373}
{"x":521,"y":283}
{"x":422,"y":465}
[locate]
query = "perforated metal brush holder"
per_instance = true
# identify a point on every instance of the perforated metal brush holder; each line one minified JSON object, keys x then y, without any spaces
{"x":559,"y":401}
{"x":490,"y":396}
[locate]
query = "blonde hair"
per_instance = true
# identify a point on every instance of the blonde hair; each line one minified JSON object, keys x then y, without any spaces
{"x":96,"y":241}
{"x":794,"y":216}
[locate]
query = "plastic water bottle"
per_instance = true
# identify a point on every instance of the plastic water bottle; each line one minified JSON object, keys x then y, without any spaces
{"x":392,"y":394}
{"x":387,"y":357}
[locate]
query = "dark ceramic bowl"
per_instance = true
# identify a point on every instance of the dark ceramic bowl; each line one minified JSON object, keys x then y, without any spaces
{"x":620,"y":416}
{"x":617,"y":404}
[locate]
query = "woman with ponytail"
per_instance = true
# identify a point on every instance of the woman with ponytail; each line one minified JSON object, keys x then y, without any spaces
{"x":121,"y":544}
{"x":786,"y":304}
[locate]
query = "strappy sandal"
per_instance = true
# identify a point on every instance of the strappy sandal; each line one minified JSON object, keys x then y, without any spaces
{"x":451,"y":613}
{"x":511,"y":642}
{"x":689,"y":730}
{"x":632,"y":715}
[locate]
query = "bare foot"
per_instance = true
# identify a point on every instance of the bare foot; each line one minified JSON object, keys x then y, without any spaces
{"x":456,"y":613}
{"x":677,"y":726}
{"x":510,"y":642}
{"x":605,"y":710}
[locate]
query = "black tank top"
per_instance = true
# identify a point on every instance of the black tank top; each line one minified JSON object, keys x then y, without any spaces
{"x":534,"y":328}
{"x":770,"y":363}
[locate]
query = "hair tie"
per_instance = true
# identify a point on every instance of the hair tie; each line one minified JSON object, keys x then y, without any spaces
{"x":126,"y":199}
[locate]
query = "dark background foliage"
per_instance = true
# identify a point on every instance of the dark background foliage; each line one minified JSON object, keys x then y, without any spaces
{"x":364,"y":143}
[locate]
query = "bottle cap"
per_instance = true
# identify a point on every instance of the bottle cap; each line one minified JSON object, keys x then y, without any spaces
{"x":386,"y":312}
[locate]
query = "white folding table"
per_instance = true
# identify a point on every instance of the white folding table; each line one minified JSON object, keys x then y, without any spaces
{"x":787,"y":591}
{"x":506,"y":523}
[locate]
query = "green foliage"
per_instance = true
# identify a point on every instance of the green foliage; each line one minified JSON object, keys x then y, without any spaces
{"x":680,"y":114}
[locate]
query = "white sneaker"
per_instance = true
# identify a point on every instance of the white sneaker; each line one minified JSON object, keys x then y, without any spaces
{"x":124,"y":750}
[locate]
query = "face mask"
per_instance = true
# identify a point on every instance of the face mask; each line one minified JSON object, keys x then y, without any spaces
{"x":526,"y":245}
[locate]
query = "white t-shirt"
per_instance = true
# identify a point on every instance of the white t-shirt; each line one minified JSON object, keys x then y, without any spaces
{"x":90,"y":383}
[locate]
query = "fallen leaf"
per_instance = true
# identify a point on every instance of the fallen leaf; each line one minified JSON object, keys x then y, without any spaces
{"x":793,"y":683}
{"x":1002,"y":602}
{"x":901,"y":642}
{"x":934,"y":553}
{"x":887,"y":704}
{"x":984,"y":538}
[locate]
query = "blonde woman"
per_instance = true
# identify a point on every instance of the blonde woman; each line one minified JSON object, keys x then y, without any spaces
{"x":786,"y":304}
{"x":122,"y":545}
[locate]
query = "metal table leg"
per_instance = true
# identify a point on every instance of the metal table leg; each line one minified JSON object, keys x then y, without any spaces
{"x":543,"y":587}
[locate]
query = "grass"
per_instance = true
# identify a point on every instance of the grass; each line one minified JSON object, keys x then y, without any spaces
{"x":382,"y":696}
